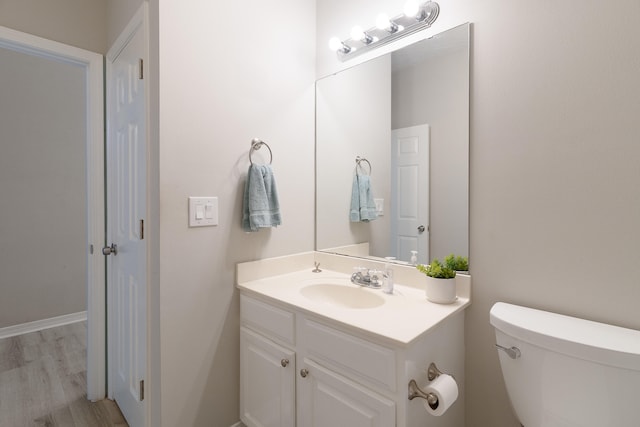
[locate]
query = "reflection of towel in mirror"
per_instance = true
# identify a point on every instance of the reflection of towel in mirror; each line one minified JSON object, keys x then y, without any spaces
{"x":363,"y":207}
{"x":260,"y":207}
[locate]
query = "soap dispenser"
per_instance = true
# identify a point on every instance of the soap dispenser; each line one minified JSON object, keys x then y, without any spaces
{"x":387,"y":283}
{"x":414,"y":257}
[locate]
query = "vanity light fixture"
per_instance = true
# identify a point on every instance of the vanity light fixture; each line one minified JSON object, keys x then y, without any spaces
{"x":417,"y":16}
{"x":357,"y":33}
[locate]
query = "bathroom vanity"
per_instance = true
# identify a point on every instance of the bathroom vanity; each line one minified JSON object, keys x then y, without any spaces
{"x":320,"y":351}
{"x":317,"y":350}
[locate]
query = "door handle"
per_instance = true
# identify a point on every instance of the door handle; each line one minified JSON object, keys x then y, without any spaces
{"x":421,"y":229}
{"x":110,"y":250}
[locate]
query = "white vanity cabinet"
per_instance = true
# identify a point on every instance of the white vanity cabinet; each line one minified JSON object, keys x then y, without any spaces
{"x":268,"y":382}
{"x":299,"y":369}
{"x":267,"y":365}
{"x":285,"y":377}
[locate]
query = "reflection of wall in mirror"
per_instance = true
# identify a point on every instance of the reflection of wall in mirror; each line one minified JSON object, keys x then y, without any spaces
{"x":353,"y":119}
{"x":436,"y":92}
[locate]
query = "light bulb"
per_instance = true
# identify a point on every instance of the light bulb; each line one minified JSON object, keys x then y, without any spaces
{"x":382,"y":21}
{"x":411,"y":8}
{"x":335,"y":44}
{"x":357,"y":33}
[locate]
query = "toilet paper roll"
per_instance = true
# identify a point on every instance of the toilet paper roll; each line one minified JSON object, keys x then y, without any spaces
{"x":445,"y":389}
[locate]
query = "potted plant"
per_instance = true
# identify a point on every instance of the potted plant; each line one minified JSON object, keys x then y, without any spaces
{"x":441,"y":282}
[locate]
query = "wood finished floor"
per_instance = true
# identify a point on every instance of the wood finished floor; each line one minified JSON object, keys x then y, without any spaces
{"x":43,"y":382}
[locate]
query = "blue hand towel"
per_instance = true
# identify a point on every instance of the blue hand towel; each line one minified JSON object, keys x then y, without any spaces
{"x":354,"y":212}
{"x":260,"y":207}
{"x":363,"y":208}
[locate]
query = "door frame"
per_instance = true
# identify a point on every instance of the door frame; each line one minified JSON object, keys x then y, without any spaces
{"x":139,"y":20}
{"x":93,"y":64}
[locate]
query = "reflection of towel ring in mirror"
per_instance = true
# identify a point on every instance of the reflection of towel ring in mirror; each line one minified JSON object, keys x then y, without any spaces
{"x":359,"y":160}
{"x":256,"y":144}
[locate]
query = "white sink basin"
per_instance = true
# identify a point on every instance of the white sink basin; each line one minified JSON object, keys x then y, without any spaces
{"x":342,"y":296}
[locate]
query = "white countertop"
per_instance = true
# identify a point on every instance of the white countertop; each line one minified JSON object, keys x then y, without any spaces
{"x":403,"y":317}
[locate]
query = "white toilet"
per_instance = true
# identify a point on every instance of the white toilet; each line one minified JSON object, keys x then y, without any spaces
{"x":561,"y":371}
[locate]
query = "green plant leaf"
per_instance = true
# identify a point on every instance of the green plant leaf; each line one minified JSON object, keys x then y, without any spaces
{"x":437,"y":270}
{"x":457,"y":263}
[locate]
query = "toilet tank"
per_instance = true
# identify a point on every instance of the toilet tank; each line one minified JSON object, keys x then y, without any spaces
{"x":571,"y":372}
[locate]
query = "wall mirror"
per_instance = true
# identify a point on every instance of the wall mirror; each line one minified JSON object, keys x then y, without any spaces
{"x":407,"y":114}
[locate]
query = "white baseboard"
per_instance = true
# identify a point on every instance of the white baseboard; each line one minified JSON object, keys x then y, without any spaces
{"x":238,"y":424}
{"x":39,"y":325}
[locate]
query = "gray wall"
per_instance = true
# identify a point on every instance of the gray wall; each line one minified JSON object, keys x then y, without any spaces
{"x":554,"y":164}
{"x":42,"y":188}
{"x":80,"y":23}
{"x":118,"y":15}
{"x":222,"y":84}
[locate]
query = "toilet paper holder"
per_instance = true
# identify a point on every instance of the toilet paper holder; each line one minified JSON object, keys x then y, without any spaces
{"x":415,"y":391}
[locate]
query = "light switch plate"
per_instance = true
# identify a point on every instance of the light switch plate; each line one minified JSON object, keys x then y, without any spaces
{"x":203,"y":211}
{"x":379,"y":206}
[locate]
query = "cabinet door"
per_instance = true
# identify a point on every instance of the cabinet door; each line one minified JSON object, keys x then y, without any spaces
{"x":326,"y":399}
{"x":267,"y":382}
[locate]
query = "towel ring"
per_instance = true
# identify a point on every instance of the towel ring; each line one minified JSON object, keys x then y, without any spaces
{"x":360,"y":160}
{"x":256,"y":144}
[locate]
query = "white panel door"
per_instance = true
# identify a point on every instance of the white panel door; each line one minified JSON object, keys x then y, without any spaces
{"x":410,"y":189}
{"x":127,"y":269}
{"x":267,"y":382}
{"x":327,"y":399}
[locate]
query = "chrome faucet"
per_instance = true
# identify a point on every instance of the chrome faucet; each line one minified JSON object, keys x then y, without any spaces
{"x":367,"y":278}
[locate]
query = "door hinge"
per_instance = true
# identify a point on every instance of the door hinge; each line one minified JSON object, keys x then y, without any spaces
{"x":141,"y":69}
{"x":141,"y":390}
{"x":142,"y":229}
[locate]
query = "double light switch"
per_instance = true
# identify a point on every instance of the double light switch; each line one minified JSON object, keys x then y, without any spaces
{"x":203,"y":211}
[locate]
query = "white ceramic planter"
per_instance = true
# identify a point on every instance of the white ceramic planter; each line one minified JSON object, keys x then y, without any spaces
{"x":441,"y":291}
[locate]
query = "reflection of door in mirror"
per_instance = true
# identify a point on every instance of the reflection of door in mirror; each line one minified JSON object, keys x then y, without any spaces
{"x":410,"y":190}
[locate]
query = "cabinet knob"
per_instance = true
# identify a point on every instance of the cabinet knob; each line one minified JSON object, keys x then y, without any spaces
{"x":284,"y":362}
{"x":304,"y":373}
